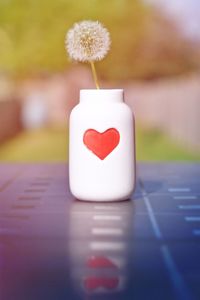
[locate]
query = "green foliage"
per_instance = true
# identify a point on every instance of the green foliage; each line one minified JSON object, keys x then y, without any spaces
{"x":51,"y":145}
{"x":48,"y":145}
{"x":32,"y":36}
{"x":33,"y":31}
{"x":154,"y":145}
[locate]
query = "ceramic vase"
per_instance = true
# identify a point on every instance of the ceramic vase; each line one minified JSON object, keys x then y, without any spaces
{"x":101,"y":147}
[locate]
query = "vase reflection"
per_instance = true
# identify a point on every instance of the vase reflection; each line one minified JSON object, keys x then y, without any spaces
{"x":99,"y":248}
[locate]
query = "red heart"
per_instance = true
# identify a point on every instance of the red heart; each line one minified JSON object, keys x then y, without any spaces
{"x":92,"y":283}
{"x":100,"y":262}
{"x":101,"y":143}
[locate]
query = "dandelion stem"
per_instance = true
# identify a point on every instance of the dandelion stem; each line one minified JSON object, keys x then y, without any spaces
{"x":94,"y":74}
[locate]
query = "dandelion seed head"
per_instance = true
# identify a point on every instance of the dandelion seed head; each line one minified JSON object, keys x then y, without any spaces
{"x":87,"y":41}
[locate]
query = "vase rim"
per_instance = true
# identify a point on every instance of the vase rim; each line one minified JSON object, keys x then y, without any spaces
{"x":99,"y":90}
{"x":100,"y":95}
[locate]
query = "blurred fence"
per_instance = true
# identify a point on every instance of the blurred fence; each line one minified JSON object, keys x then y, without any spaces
{"x":10,"y":110}
{"x":170,"y":105}
{"x":10,"y":118}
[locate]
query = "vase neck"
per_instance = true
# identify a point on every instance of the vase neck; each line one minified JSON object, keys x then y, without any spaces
{"x":101,"y":95}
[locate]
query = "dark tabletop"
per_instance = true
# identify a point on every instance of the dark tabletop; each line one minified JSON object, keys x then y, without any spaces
{"x":54,"y":247}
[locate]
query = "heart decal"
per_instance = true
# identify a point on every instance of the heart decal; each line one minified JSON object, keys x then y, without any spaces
{"x":101,"y":143}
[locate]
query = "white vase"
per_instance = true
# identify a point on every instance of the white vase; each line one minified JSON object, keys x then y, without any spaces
{"x":101,"y":147}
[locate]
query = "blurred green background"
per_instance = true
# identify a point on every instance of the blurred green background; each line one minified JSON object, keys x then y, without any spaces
{"x":32,"y":37}
{"x":152,"y":58}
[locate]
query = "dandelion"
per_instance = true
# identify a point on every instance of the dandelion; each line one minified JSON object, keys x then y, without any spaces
{"x":88,"y":41}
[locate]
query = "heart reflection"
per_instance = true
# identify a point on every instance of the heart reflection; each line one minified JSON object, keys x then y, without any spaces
{"x":100,"y":248}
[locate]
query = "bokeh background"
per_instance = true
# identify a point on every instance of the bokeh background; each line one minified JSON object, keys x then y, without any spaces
{"x":155,"y":58}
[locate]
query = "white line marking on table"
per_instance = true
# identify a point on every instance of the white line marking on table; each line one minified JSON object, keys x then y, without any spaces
{"x":107,"y":246}
{"x":186,"y":189}
{"x":107,"y":231}
{"x":107,"y":217}
{"x":176,"y":278}
{"x":185,"y":197}
{"x":154,"y":223}
{"x":192,"y":219}
{"x":192,"y":206}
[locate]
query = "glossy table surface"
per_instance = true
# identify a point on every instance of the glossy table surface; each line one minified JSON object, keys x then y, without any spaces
{"x":55,"y":247}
